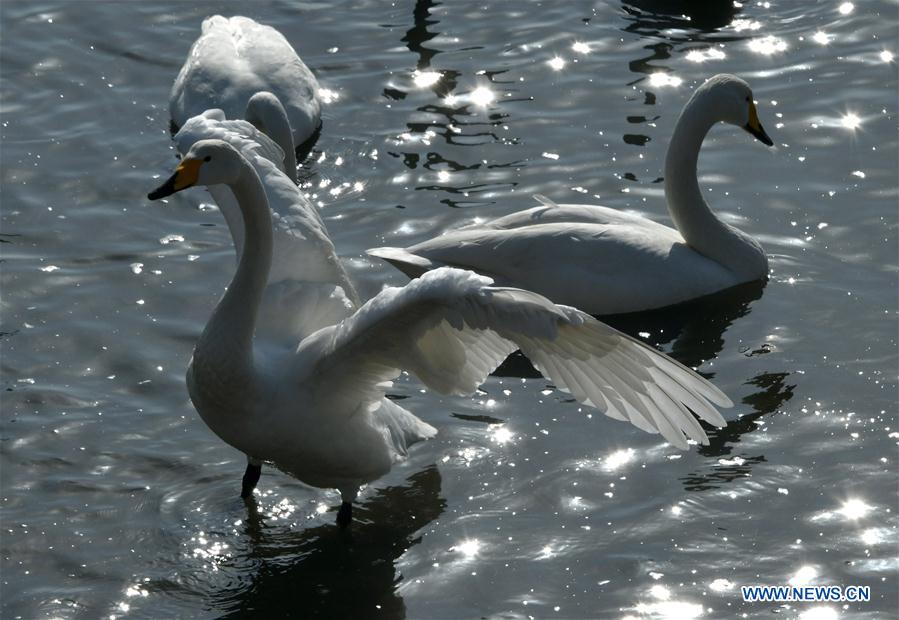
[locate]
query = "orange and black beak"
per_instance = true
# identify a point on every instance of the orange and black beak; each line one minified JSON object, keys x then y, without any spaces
{"x":185,"y":176}
{"x":755,"y":127}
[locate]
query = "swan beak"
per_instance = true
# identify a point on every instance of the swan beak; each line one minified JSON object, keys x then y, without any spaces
{"x":755,"y":127}
{"x":185,"y":176}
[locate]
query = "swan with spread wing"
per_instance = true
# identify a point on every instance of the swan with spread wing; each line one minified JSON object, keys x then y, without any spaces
{"x":314,"y":405}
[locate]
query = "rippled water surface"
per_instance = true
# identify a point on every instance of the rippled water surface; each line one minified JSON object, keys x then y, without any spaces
{"x":116,"y":499}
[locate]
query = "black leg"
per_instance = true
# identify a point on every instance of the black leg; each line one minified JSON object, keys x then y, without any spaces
{"x":345,"y":515}
{"x":250,"y":478}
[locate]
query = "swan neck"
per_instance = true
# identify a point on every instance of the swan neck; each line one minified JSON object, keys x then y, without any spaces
{"x":228,"y":336}
{"x":697,"y":224}
{"x":689,"y":210}
{"x":267,"y":114}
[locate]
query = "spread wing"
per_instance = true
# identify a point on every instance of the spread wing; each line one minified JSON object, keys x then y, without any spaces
{"x":452,"y":328}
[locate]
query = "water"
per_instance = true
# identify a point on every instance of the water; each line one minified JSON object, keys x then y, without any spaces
{"x":117,"y":501}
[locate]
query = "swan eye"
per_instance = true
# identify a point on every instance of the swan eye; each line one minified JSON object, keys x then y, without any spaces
{"x":209,"y":157}
{"x":747,"y":99}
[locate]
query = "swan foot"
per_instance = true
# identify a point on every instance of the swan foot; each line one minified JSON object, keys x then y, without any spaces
{"x":250,"y":478}
{"x":345,"y":515}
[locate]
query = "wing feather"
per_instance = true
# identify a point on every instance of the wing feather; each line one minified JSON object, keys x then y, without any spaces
{"x":452,"y":328}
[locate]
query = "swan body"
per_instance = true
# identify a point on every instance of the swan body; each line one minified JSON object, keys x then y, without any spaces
{"x":608,"y":262}
{"x":316,"y":408}
{"x":235,"y":59}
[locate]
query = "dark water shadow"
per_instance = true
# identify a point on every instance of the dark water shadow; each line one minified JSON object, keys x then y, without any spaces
{"x":326,"y":572}
{"x":773,"y":391}
{"x":694,"y":329}
{"x":689,"y":19}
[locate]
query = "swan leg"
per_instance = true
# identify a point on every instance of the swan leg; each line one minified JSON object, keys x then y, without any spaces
{"x":345,"y":514}
{"x":250,"y":477}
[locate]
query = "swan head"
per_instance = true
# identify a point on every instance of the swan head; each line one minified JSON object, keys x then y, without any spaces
{"x":208,"y":162}
{"x":733,"y":103}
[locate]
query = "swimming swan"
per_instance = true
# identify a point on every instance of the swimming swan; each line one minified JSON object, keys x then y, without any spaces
{"x":317,"y":409}
{"x":604,"y":261}
{"x":249,"y":71}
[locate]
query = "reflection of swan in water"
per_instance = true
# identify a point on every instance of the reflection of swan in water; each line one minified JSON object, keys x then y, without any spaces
{"x":691,"y":332}
{"x":773,"y":391}
{"x":315,"y":407}
{"x":233,"y":60}
{"x":328,"y":574}
{"x":653,"y":16}
{"x":608,"y":262}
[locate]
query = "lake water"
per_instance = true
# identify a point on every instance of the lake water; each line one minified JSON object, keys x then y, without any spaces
{"x":117,"y":501}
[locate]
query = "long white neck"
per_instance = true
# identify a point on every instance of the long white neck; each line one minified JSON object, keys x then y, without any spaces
{"x":224,"y":354}
{"x":699,"y":226}
{"x":265,"y":112}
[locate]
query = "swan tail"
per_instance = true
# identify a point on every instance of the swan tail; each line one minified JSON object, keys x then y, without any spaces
{"x":410,"y":264}
{"x":543,"y":200}
{"x":402,"y":428}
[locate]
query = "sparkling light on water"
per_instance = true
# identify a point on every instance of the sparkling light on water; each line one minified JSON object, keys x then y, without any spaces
{"x":851,"y":121}
{"x":819,"y":613}
{"x":556,"y":63}
{"x":886,"y":56}
{"x":664,"y":79}
{"x":482,"y":96}
{"x":423,"y":79}
{"x":703,"y":55}
{"x":854,"y":509}
{"x":619,"y":458}
{"x":580,"y":48}
{"x":803,"y":576}
{"x":468,"y":548}
{"x":846,"y":8}
{"x":500,"y":434}
{"x":768,"y":45}
{"x":821,"y":38}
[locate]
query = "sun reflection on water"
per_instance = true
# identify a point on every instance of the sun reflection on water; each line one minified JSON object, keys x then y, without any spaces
{"x":850,"y":121}
{"x":481,"y":96}
{"x":768,"y":45}
{"x":854,"y":509}
{"x":664,"y":79}
{"x":469,"y":548}
{"x":619,"y":458}
{"x":703,"y":55}
{"x":557,"y":63}
{"x":580,"y":48}
{"x":423,"y":79}
{"x":819,"y":613}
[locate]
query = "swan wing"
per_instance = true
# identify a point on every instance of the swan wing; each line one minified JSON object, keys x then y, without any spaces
{"x":452,"y":328}
{"x":233,"y":59}
{"x":550,"y":212}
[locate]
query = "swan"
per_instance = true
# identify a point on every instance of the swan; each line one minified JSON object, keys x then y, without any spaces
{"x":307,"y":286}
{"x":316,"y":408}
{"x":604,"y":261}
{"x":249,"y":70}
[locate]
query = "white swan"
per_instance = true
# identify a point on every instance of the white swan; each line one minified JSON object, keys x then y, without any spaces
{"x":605,"y":261}
{"x":236,"y":58}
{"x":307,"y":286}
{"x":317,"y":409}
